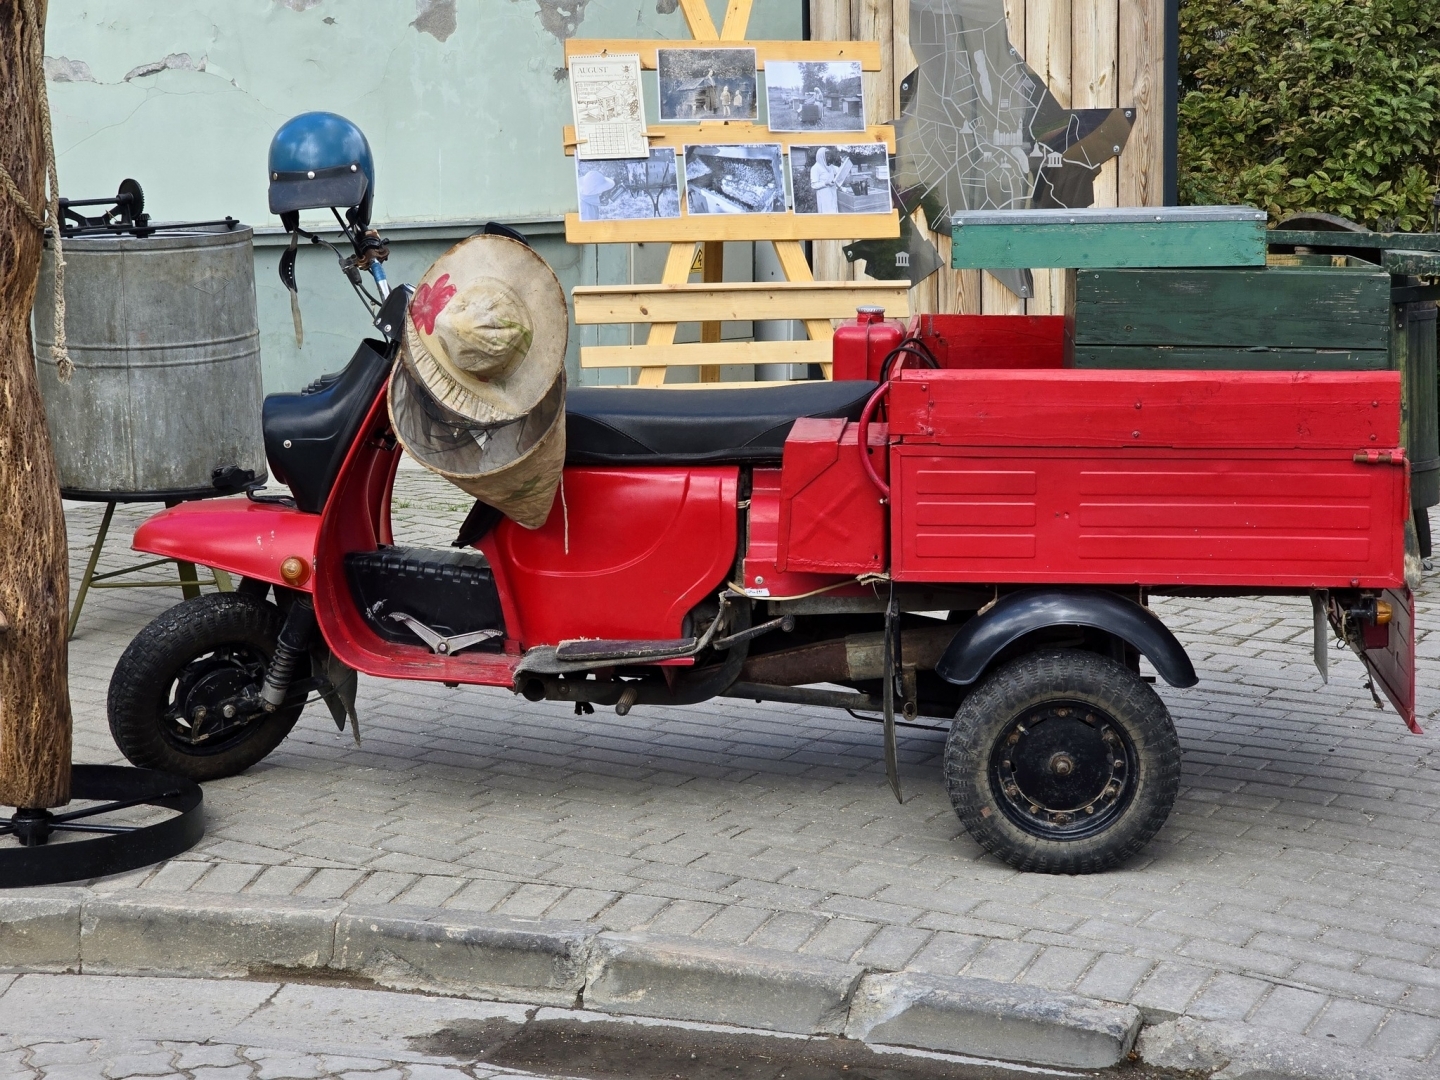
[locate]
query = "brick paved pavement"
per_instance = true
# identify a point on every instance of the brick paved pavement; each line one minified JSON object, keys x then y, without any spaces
{"x":1294,"y":886}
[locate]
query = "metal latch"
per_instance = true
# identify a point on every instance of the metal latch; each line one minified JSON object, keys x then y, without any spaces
{"x":1380,"y":457}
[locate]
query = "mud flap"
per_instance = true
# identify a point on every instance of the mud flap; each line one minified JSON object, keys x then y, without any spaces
{"x":340,"y":697}
{"x":1392,"y":667}
{"x":1320,"y":601}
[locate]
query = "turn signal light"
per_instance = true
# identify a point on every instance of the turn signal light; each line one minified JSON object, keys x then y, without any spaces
{"x":1382,"y":613}
{"x":295,"y":571}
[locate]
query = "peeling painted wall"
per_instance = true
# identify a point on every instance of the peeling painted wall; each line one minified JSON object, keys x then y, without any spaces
{"x":459,"y":99}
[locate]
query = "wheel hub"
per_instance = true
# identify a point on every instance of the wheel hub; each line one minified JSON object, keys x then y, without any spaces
{"x":214,"y":695}
{"x":1063,"y":770}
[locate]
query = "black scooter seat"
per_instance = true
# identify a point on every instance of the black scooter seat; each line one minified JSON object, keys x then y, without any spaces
{"x":308,"y":434}
{"x":640,"y":426}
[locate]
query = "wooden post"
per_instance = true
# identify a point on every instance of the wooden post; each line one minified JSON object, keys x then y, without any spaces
{"x":1142,"y":71}
{"x":1048,"y":52}
{"x":712,"y":271}
{"x":34,"y":573}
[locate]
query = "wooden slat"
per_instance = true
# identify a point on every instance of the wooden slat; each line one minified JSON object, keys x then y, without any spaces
{"x":692,"y":228}
{"x":830,"y":20}
{"x":729,"y":133}
{"x":712,"y":274}
{"x":1016,"y":24}
{"x":697,"y":18}
{"x":1142,"y":78}
{"x":1417,"y":263}
{"x":873,"y":20}
{"x":736,"y":301}
{"x":662,"y":335}
{"x":1048,"y":49}
{"x":1357,"y":241}
{"x":995,"y":297}
{"x":867,"y":52}
{"x":737,"y":20}
{"x":1094,"y":74}
{"x":1278,"y":307}
{"x":1201,"y":358}
{"x":705,"y":353}
{"x":792,"y":260}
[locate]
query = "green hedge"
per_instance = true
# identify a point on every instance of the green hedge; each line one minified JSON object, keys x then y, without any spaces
{"x":1329,"y":105}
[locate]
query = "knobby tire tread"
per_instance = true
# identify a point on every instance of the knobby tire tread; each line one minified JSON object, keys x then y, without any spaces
{"x":1018,"y":685}
{"x":160,"y":651}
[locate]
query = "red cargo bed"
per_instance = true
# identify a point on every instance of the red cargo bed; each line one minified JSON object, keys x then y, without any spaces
{"x":1227,"y":479}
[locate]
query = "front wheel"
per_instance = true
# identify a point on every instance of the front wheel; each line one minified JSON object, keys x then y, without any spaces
{"x":176,"y":698}
{"x":1062,"y":762}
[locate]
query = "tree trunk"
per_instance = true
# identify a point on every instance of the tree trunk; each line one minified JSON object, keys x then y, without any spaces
{"x":34,"y":574}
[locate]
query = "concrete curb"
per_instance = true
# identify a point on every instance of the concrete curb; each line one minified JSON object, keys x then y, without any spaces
{"x":681,"y":979}
{"x":470,"y":955}
{"x":570,"y":964}
{"x":1227,"y":1050}
{"x":991,"y":1019}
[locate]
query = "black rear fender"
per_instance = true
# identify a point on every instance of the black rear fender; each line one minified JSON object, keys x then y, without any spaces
{"x":1038,"y":615}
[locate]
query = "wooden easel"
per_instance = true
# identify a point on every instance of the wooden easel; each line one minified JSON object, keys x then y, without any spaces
{"x":663,"y":307}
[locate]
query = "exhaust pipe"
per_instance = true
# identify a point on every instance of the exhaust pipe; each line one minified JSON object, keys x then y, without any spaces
{"x":848,"y":659}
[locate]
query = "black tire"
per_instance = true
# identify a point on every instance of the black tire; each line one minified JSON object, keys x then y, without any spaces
{"x":1062,"y":762}
{"x":206,"y":648}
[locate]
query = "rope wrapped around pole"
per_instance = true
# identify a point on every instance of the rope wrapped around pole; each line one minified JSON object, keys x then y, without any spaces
{"x":59,"y":351}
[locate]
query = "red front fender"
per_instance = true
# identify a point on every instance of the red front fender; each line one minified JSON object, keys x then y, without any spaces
{"x":247,"y":538}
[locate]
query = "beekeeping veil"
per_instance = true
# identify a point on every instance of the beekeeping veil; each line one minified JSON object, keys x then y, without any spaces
{"x":479,"y":394}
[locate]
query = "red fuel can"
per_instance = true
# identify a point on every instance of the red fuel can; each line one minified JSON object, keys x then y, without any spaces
{"x":860,"y":347}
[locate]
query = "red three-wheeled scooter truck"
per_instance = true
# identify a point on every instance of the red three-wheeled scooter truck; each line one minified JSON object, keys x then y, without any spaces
{"x":956,"y":535}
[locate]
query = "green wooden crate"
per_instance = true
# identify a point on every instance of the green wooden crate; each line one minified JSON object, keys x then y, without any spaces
{"x":1323,"y":313}
{"x":1243,"y":309}
{"x":1108,"y":237}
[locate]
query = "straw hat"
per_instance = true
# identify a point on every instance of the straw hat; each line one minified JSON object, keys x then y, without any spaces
{"x":479,"y":395}
{"x":486,"y":331}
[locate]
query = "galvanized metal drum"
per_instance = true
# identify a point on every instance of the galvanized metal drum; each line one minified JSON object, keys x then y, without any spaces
{"x":165,"y":400}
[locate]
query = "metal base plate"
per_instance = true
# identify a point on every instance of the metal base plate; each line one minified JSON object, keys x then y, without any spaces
{"x":109,"y":847}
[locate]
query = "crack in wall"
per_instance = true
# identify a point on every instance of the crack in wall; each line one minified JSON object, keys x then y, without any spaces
{"x":173,"y":62}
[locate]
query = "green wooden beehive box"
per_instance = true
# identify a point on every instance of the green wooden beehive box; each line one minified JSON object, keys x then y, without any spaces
{"x":1108,"y":237}
{"x":1318,"y":313}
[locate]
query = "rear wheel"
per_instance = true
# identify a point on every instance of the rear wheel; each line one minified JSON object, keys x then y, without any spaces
{"x":176,"y":682}
{"x":1063,"y":762}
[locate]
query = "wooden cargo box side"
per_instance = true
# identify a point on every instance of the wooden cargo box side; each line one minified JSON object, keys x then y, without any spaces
{"x":1318,"y":313}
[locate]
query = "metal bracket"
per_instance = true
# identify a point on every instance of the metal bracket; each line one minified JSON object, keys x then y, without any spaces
{"x":439,"y":644}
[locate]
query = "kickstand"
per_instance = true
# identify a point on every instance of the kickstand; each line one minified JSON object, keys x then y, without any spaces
{"x":892,"y":667}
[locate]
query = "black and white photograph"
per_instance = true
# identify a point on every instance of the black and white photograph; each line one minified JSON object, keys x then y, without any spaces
{"x":814,"y":95}
{"x":629,"y":189}
{"x":743,"y":179}
{"x":707,"y":84}
{"x":840,"y":179}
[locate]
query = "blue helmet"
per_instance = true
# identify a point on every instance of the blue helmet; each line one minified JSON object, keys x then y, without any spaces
{"x":318,"y":160}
